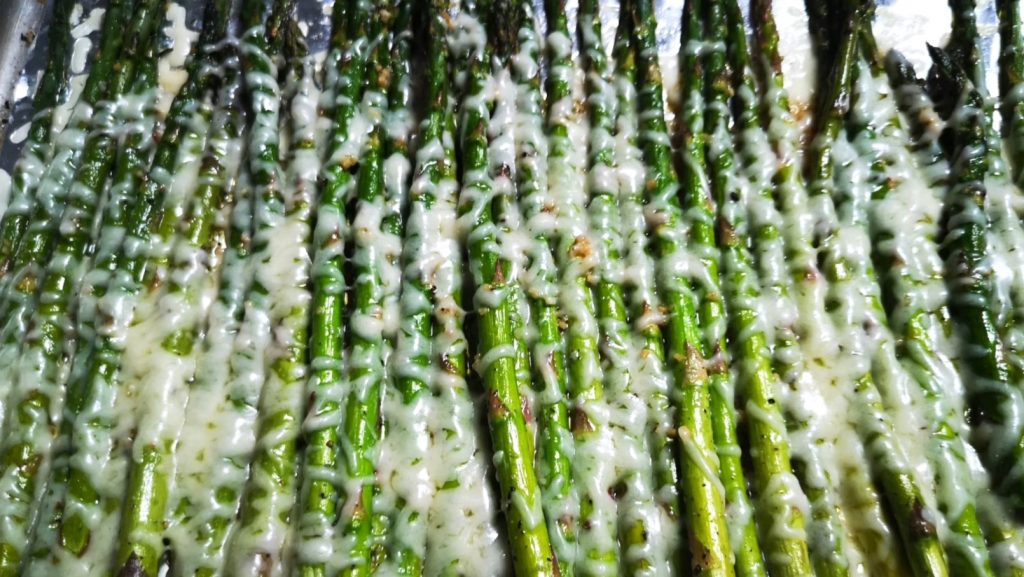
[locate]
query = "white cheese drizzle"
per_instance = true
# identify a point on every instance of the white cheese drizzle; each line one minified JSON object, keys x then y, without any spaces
{"x":904,"y":224}
{"x":651,"y":380}
{"x":156,"y":377}
{"x":103,"y":308}
{"x":576,"y":255}
{"x":803,"y":340}
{"x":215,"y":446}
{"x":539,"y":281}
{"x":37,"y":382}
{"x":171,"y":72}
{"x":5,"y":190}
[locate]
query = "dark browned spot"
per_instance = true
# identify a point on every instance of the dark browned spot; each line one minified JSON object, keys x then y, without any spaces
{"x":265,"y":564}
{"x":695,"y":371}
{"x":581,"y":248}
{"x":716,"y":364}
{"x":726,"y":231}
{"x":132,"y":567}
{"x":581,"y":422}
{"x":700,"y":555}
{"x":527,"y":413}
{"x":920,"y":526}
{"x":447,"y":364}
{"x":496,"y":406}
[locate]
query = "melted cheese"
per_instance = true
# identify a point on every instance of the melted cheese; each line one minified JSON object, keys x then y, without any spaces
{"x":5,"y":190}
{"x":171,"y":72}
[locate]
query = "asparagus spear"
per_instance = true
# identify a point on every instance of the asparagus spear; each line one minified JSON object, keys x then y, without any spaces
{"x":888,"y":462}
{"x":38,"y":397}
{"x":406,"y":538}
{"x":492,"y":277}
{"x":179,"y":276}
{"x":921,"y":325}
{"x":779,"y":495}
{"x":824,"y":23}
{"x":652,"y":380}
{"x":991,"y":398}
{"x":53,"y":546}
{"x":639,"y":521}
{"x":39,"y":143}
{"x":346,"y":63}
{"x":204,"y":496}
{"x":925,"y":127}
{"x":463,"y":503}
{"x":965,"y":43}
{"x":828,"y":532}
{"x":965,"y":49}
{"x":113,"y":285}
{"x":43,"y":215}
{"x":232,"y":374}
{"x":574,"y":248}
{"x":413,"y":376}
{"x":18,"y":288}
{"x":258,"y":543}
{"x":703,"y":494}
{"x":360,"y":432}
{"x":1006,"y":238}
{"x":1011,"y":84}
{"x":554,"y":443}
{"x":394,"y":66}
{"x":699,"y":205}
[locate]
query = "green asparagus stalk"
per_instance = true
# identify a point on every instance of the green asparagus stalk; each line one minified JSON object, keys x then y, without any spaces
{"x":828,"y":533}
{"x":554,"y":442}
{"x":346,"y":64}
{"x":652,"y":380}
{"x":965,"y":43}
{"x":910,"y":512}
{"x":25,"y":263}
{"x":413,"y":377}
{"x":505,"y":22}
{"x":89,"y":429}
{"x":1006,"y":546}
{"x":38,"y":396}
{"x":699,"y":206}
{"x":224,"y":398}
{"x":921,"y":327}
{"x":780,"y":515}
{"x":39,"y":143}
{"x":639,"y":521}
{"x":187,"y":288}
{"x":19,"y":287}
{"x":206,"y":489}
{"x":492,"y":278}
{"x":28,"y":225}
{"x":258,"y":542}
{"x":991,"y":396}
{"x":462,"y":504}
{"x":703,"y":494}
{"x":1002,"y":197}
{"x":179,"y":276}
{"x":53,"y":546}
{"x":824,"y":25}
{"x":925,"y":127}
{"x":394,"y":66}
{"x":965,"y":49}
{"x":405,"y":535}
{"x":360,"y":432}
{"x":1011,"y":85}
{"x":574,"y":250}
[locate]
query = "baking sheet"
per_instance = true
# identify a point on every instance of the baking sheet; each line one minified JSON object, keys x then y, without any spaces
{"x":903,"y":24}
